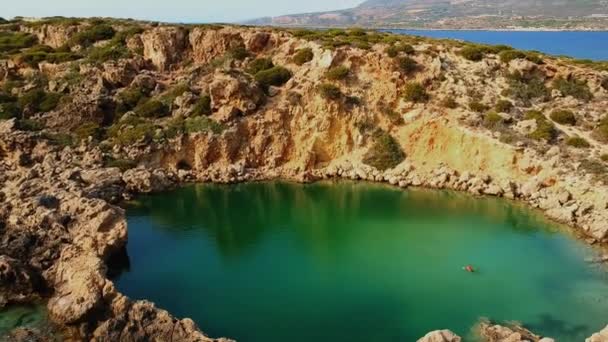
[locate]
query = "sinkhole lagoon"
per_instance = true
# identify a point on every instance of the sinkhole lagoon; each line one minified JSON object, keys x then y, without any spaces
{"x":356,"y":262}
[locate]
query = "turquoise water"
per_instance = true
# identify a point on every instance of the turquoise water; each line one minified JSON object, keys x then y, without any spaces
{"x":584,"y":45}
{"x":356,"y":262}
{"x":34,"y":316}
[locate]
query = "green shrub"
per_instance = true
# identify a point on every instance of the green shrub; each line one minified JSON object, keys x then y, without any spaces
{"x":86,"y":130}
{"x":407,"y":64}
{"x":385,"y":153}
{"x":472,"y":53}
{"x":573,"y":87}
{"x":238,"y":53}
{"x":29,"y":125}
{"x":449,"y":102}
{"x":275,"y":76}
{"x":394,"y":117}
{"x":604,"y":157}
{"x":202,"y":106}
{"x":564,"y":117}
{"x":259,"y":64}
{"x":415,"y":92}
{"x":9,"y":108}
{"x":394,"y":50}
{"x":526,"y":89}
{"x":131,"y":131}
{"x":357,"y":32}
{"x":152,"y":109}
{"x":329,"y":91}
{"x":303,"y":56}
{"x":38,"y":100}
{"x":492,"y":120}
{"x":601,"y":132}
{"x":202,"y":124}
{"x":578,"y":142}
{"x":92,"y":34}
{"x":604,"y":83}
{"x":508,"y":55}
{"x":131,"y":97}
{"x":337,"y":73}
{"x":477,"y":106}
{"x":39,"y":53}
{"x":11,"y":42}
{"x":503,"y":106}
{"x":545,"y":130}
{"x":60,"y":139}
{"x":109,"y":52}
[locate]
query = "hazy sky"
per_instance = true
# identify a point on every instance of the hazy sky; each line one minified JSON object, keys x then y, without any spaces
{"x":171,"y":10}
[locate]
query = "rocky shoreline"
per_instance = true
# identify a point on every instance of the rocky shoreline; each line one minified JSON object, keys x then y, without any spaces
{"x":345,"y":111}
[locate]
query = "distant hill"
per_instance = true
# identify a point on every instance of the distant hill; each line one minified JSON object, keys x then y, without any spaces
{"x":459,"y":14}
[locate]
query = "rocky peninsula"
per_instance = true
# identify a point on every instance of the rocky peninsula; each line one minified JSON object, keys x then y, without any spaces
{"x":94,"y":112}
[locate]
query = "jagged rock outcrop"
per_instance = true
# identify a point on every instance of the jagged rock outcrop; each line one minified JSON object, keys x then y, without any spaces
{"x":164,"y":45}
{"x":601,"y":336}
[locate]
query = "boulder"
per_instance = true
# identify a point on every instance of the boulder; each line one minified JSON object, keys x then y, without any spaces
{"x":164,"y":46}
{"x":141,"y":180}
{"x":601,"y":336}
{"x":440,"y":336}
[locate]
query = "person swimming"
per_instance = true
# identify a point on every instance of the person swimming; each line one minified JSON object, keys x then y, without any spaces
{"x":469,"y":269}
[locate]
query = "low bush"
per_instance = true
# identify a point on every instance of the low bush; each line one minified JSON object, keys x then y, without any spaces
{"x":337,"y":73}
{"x":492,"y":120}
{"x":394,"y":50}
{"x":131,"y":131}
{"x":59,"y":139}
{"x":601,"y":132}
{"x":578,"y":142}
{"x":86,"y":130}
{"x":329,"y":91}
{"x":545,"y":130}
{"x":259,"y":64}
{"x":303,"y":56}
{"x":473,"y":53}
{"x":29,"y":125}
{"x":508,"y":55}
{"x":503,"y":106}
{"x":604,"y":157}
{"x":407,"y":65}
{"x":131,"y":97}
{"x":526,"y":88}
{"x":275,"y":76}
{"x":202,"y":124}
{"x":564,"y":117}
{"x":202,"y":106}
{"x":152,"y":109}
{"x":11,"y":42}
{"x":385,"y":153}
{"x":449,"y":102}
{"x":238,"y":53}
{"x":604,"y":83}
{"x":477,"y":106}
{"x":39,"y":101}
{"x":92,"y":34}
{"x":415,"y":92}
{"x":40,"y":53}
{"x":109,"y":52}
{"x":573,"y":87}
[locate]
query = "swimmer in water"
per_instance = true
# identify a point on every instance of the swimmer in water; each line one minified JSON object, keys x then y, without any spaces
{"x":469,"y":269}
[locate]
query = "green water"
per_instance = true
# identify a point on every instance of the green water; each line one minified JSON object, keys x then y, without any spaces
{"x":34,"y":316}
{"x":356,"y":262}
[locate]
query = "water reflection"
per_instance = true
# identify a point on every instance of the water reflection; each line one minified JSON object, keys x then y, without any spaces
{"x":231,"y":214}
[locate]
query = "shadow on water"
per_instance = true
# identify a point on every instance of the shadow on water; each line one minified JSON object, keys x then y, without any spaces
{"x":218,"y":210}
{"x":558,"y":327}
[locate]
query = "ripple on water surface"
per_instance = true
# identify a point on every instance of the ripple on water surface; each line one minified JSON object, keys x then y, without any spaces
{"x":356,"y":262}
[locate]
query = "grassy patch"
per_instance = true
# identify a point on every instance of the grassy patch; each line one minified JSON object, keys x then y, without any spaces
{"x":152,"y":109}
{"x":395,"y":50}
{"x":573,"y":87}
{"x":39,"y":101}
{"x":12,"y":42}
{"x":131,"y":131}
{"x":578,"y":142}
{"x":477,"y":106}
{"x":89,"y":129}
{"x":303,"y":56}
{"x":259,"y":64}
{"x":503,"y":106}
{"x":492,"y":120}
{"x":92,"y":34}
{"x":337,"y":73}
{"x":202,"y":124}
{"x":329,"y":91}
{"x":564,"y":117}
{"x":275,"y":76}
{"x":415,"y":92}
{"x":385,"y":153}
{"x":202,"y":106}
{"x":545,"y":130}
{"x":407,"y":65}
{"x":29,"y":125}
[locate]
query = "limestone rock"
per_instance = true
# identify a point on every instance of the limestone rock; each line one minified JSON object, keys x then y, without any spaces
{"x":601,"y":336}
{"x":164,"y":46}
{"x":440,"y":336}
{"x":144,"y":181}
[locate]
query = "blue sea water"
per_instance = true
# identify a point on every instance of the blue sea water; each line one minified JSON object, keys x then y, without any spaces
{"x":583,"y":45}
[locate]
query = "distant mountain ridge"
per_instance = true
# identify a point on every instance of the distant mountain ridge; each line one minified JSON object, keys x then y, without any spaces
{"x":459,"y":14}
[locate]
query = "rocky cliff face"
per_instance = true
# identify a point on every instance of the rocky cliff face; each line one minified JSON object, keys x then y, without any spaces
{"x":105,"y":110}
